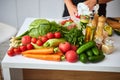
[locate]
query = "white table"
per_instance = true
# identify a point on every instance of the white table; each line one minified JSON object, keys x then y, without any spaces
{"x":110,"y":64}
{"x":6,"y":32}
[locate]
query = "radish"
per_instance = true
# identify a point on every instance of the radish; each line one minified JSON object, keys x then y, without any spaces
{"x":26,"y":40}
{"x":71,"y":56}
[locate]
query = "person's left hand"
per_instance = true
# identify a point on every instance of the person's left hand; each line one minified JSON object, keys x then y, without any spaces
{"x":90,"y":3}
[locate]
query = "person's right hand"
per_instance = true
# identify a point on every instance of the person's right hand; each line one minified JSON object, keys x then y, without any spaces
{"x":72,"y":11}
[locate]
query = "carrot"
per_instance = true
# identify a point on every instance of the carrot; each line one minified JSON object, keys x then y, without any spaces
{"x":49,"y":57}
{"x":41,"y":51}
{"x":59,"y":53}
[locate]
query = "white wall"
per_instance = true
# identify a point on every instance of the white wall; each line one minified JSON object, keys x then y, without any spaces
{"x":113,"y":8}
{"x":8,"y":12}
{"x":14,"y":12}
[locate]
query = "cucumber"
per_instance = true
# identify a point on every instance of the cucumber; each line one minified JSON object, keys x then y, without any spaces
{"x":83,"y":58}
{"x":85,"y":47}
{"x":95,"y":59}
{"x":89,"y":52}
{"x":95,"y":51}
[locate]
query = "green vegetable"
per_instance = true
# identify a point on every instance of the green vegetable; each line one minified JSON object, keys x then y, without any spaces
{"x":85,"y":47}
{"x":74,"y":36}
{"x":23,"y":34}
{"x":83,"y":58}
{"x":95,"y":50}
{"x":36,"y":46}
{"x":95,"y":59}
{"x":53,"y":42}
{"x":89,"y":52}
{"x":39,"y":27}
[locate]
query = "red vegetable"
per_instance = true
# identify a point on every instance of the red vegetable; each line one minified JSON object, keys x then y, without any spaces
{"x":39,"y":42}
{"x":29,"y":46}
{"x":71,"y":56}
{"x":64,"y":47}
{"x":50,"y":35}
{"x":26,"y":40}
{"x":57,"y":35}
{"x":23,"y":48}
{"x":33,"y":40}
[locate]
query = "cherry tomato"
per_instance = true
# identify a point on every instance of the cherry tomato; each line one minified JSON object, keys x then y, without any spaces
{"x":33,"y":40}
{"x":44,"y":39}
{"x":29,"y":46}
{"x":10,"y":52}
{"x":50,"y":35}
{"x":57,"y":35}
{"x":39,"y":42}
{"x":63,"y":22}
{"x":73,"y":47}
{"x":17,"y":50}
{"x":39,"y":37}
{"x":23,"y":48}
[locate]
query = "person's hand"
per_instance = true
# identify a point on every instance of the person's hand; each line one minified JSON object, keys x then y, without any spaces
{"x":90,"y":3}
{"x":72,"y":11}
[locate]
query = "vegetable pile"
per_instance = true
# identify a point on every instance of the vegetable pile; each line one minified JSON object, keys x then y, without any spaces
{"x":49,"y":40}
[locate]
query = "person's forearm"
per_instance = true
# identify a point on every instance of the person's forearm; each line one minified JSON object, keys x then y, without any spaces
{"x":103,"y":1}
{"x":68,"y":2}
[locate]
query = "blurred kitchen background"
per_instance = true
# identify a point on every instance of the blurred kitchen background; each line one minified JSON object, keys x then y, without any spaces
{"x":14,"y":12}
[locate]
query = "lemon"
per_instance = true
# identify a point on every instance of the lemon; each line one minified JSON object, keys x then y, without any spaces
{"x":108,"y":29}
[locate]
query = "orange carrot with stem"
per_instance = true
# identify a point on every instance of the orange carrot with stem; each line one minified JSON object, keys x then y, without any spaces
{"x":49,"y":57}
{"x":41,"y":51}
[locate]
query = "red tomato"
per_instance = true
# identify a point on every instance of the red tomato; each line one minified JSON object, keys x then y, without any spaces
{"x":63,"y":22}
{"x":64,"y":47}
{"x":23,"y":48}
{"x":26,"y":40}
{"x":50,"y":35}
{"x":10,"y":52}
{"x":39,"y":42}
{"x":29,"y":46}
{"x":57,"y":35}
{"x":71,"y":56}
{"x":17,"y":50}
{"x":73,"y":47}
{"x":44,"y":39}
{"x":33,"y":40}
{"x":39,"y":37}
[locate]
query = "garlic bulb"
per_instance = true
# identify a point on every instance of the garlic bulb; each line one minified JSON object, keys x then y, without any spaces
{"x":108,"y":46}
